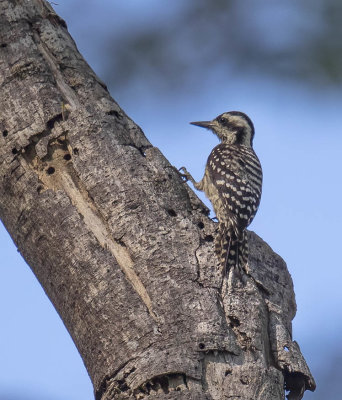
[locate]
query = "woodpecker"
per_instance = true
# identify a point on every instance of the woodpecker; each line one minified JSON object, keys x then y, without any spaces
{"x":232,"y":181}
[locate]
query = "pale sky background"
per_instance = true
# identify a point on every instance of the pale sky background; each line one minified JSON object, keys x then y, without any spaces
{"x":298,"y":140}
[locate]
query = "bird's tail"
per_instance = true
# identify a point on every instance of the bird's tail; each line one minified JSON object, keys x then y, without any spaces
{"x":231,"y":252}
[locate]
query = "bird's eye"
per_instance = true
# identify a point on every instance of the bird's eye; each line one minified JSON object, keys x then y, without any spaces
{"x":223,"y":120}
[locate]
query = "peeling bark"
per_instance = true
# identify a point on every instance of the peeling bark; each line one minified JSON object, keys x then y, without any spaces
{"x":122,"y":247}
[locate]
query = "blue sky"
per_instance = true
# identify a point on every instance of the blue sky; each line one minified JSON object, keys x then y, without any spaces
{"x":298,"y":140}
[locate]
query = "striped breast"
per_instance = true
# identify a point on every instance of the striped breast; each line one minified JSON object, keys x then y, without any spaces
{"x":236,"y":174}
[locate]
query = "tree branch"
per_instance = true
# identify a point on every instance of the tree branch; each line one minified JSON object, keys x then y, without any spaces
{"x":122,"y":247}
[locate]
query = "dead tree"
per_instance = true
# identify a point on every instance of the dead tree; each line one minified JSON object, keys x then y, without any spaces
{"x":122,"y":247}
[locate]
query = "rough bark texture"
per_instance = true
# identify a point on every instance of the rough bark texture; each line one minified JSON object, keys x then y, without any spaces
{"x":121,"y":246}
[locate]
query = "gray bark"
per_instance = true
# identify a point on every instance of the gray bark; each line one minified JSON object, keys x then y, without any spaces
{"x":122,"y":247}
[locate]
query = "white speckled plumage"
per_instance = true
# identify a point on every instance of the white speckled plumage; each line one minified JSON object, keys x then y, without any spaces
{"x":232,"y":181}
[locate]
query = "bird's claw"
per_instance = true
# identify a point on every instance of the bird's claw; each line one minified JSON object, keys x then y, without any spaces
{"x":184,"y":174}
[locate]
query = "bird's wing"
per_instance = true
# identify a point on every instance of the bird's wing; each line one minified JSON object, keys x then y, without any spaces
{"x":229,"y":174}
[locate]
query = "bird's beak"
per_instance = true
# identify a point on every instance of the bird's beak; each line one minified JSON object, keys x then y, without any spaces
{"x":203,"y":124}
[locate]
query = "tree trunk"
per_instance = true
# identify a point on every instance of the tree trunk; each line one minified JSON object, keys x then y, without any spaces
{"x":122,"y":247}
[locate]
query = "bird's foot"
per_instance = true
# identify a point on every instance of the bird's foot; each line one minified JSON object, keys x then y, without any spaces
{"x":184,"y":174}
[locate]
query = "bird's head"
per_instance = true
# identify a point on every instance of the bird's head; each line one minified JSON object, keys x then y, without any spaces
{"x":233,"y":127}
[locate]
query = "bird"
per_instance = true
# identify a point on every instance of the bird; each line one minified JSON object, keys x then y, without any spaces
{"x":232,"y":181}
